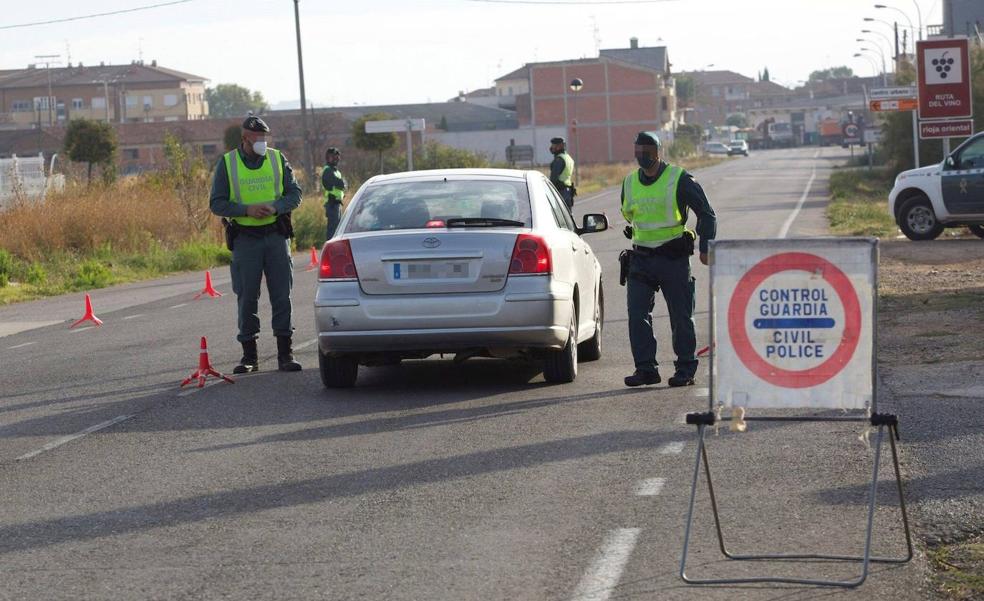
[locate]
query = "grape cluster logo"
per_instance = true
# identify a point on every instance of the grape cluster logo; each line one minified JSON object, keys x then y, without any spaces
{"x":942,"y":65}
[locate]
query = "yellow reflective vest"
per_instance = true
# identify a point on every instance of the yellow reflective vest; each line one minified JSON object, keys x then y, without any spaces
{"x":653,"y":210}
{"x":254,"y":186}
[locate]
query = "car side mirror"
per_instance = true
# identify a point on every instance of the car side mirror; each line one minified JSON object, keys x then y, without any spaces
{"x":593,"y":222}
{"x":950,"y":163}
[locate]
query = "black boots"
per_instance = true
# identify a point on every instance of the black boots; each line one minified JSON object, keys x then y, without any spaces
{"x":285,"y":355}
{"x":642,"y":378}
{"x":250,"y":361}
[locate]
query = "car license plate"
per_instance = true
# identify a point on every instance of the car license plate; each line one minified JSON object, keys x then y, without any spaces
{"x":430,"y":271}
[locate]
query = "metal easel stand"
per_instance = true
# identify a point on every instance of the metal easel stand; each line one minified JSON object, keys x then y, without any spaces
{"x":879,"y":420}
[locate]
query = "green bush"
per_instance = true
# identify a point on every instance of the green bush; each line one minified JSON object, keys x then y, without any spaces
{"x":36,"y":275}
{"x":191,"y":256}
{"x":309,"y":224}
{"x":92,"y":274}
{"x":6,"y":267}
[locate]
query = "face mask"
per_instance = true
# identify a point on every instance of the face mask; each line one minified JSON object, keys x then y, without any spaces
{"x":259,"y":147}
{"x":645,"y":161}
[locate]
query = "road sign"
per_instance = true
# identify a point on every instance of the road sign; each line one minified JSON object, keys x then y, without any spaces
{"x":892,"y":93}
{"x":944,"y":79}
{"x":902,"y":104}
{"x":793,"y":322}
{"x":852,"y":133}
{"x":872,"y":135}
{"x":394,"y":125}
{"x":949,"y":128}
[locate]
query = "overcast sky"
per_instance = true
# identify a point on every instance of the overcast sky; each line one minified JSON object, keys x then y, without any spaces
{"x":392,"y":52}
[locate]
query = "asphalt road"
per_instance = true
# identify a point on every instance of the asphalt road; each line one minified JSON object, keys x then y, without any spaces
{"x":426,"y":481}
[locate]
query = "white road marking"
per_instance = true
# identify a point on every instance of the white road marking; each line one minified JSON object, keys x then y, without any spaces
{"x":702,"y":392}
{"x":82,"y":329}
{"x":650,"y":487}
{"x":671,"y":448}
{"x":22,"y":345}
{"x":133,"y":316}
{"x":177,"y":306}
{"x":67,"y":439}
{"x":305,"y":344}
{"x":802,"y":199}
{"x":599,"y":582}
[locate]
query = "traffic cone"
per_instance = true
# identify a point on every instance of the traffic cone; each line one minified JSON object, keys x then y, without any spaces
{"x":205,"y":369}
{"x":89,"y":315}
{"x":209,"y":290}
{"x":314,"y":260}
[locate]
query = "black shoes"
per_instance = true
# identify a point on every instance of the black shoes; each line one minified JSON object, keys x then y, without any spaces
{"x":640,"y":378}
{"x":680,"y":380}
{"x":249,"y":362}
{"x":285,"y":355}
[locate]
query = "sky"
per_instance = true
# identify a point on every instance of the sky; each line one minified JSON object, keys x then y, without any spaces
{"x":371,"y":52}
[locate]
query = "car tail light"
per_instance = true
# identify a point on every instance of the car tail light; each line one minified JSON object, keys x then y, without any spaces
{"x":337,"y":261}
{"x":436,"y":223}
{"x":530,"y":256}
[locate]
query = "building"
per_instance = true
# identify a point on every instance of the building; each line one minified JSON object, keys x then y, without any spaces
{"x":43,"y":97}
{"x":960,"y":18}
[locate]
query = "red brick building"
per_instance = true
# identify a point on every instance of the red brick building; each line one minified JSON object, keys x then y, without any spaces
{"x":619,"y":98}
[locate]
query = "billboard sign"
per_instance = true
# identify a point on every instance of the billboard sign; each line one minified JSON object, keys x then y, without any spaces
{"x":944,"y":79}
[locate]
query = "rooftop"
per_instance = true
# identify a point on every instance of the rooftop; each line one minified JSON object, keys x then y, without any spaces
{"x":77,"y":75}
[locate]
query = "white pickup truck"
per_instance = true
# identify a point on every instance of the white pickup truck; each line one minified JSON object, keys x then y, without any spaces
{"x":927,"y":200}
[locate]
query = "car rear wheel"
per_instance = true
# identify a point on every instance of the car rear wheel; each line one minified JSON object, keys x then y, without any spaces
{"x":917,"y":219}
{"x":590,"y":350}
{"x":560,"y":366}
{"x":977,"y":230}
{"x":338,"y":371}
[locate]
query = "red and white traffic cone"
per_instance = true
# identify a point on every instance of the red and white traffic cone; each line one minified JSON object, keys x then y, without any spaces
{"x":205,"y":369}
{"x":209,"y":289}
{"x":314,"y":260}
{"x":89,"y":315}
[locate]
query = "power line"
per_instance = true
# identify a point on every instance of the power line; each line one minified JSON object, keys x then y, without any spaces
{"x":93,"y":16}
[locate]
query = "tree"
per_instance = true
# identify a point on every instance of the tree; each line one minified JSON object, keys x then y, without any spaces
{"x":737,"y":120}
{"x":231,"y":100}
{"x":765,"y":75}
{"x":92,"y":142}
{"x":686,"y":89}
{"x":832,"y":73}
{"x":231,"y":137}
{"x":378,"y":143}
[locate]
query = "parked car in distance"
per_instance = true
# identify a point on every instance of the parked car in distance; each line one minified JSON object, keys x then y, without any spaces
{"x":468,"y":262}
{"x":715,"y":148}
{"x":927,"y":200}
{"x":737,"y":147}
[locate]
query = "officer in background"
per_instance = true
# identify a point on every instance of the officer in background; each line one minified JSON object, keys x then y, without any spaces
{"x":254,"y":191}
{"x":562,"y":171}
{"x":655,"y":200}
{"x":334,"y":186}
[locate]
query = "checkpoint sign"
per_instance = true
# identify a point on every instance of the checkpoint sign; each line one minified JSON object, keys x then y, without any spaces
{"x":793,"y":322}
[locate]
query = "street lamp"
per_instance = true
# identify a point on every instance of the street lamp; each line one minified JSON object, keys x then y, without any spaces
{"x":888,"y":41}
{"x":911,"y":26}
{"x":309,"y":170}
{"x":882,"y":54}
{"x":47,"y":68}
{"x":875,"y":57}
{"x":576,"y":84}
{"x":871,"y":61}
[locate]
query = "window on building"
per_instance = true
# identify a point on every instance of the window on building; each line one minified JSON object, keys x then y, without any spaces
{"x":78,"y":104}
{"x":510,"y":91}
{"x":131,"y":100}
{"x":22,"y":106}
{"x":209,"y":149}
{"x":170,"y":99}
{"x":664,"y":103}
{"x":98,"y":102}
{"x":148,"y":101}
{"x":131,"y":154}
{"x":715,"y":91}
{"x":171,"y":118}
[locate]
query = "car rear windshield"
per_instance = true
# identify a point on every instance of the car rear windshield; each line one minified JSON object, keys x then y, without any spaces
{"x":410,"y":205}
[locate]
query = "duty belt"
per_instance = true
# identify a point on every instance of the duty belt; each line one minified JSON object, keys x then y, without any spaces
{"x":258,"y":231}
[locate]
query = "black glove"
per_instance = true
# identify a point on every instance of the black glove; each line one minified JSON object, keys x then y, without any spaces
{"x":627,"y":232}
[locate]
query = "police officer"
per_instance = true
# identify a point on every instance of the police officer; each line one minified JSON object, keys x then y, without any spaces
{"x":562,"y":171}
{"x":254,"y":190}
{"x":655,"y":201}
{"x":334,"y":186}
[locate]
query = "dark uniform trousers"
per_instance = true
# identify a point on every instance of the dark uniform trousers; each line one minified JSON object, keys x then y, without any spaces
{"x":252,"y":258}
{"x":333,"y":214}
{"x":647,"y":273}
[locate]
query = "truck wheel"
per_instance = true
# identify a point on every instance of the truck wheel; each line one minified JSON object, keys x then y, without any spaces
{"x":917,"y":219}
{"x":977,"y":230}
{"x":338,"y":371}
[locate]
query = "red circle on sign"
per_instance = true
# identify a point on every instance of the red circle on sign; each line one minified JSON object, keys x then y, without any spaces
{"x":739,"y":335}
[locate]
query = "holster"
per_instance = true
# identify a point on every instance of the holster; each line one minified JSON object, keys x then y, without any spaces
{"x":231,"y":229}
{"x":285,"y":227}
{"x":624,"y":258}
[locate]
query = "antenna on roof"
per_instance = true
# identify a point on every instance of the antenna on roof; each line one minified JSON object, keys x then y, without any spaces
{"x":596,"y":33}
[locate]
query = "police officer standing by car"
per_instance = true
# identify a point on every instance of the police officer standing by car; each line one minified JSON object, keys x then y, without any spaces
{"x":254,"y":191}
{"x":655,"y":201}
{"x":562,"y":171}
{"x":334,"y":186}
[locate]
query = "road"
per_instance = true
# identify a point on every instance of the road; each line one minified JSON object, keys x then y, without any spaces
{"x":427,"y":480}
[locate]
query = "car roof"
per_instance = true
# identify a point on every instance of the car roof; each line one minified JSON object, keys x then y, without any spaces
{"x":465,"y":173}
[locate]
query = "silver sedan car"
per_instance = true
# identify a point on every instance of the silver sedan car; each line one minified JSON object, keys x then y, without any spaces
{"x":467,"y":262}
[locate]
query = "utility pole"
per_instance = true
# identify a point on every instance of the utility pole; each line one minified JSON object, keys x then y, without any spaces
{"x":47,"y":67}
{"x":308,"y":169}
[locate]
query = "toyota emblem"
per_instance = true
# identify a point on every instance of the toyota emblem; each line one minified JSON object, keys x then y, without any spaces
{"x":431,"y":242}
